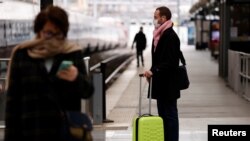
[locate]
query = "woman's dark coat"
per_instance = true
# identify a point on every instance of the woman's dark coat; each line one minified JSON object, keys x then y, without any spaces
{"x":165,"y":61}
{"x":35,"y":95}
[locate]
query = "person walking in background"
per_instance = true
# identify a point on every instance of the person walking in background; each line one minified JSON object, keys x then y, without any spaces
{"x":35,"y":81}
{"x":141,"y":42}
{"x":163,"y":72}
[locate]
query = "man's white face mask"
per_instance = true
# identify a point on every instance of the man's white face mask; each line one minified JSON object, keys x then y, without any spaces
{"x":156,"y":24}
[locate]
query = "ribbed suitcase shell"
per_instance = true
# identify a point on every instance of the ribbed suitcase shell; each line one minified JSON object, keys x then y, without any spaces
{"x":147,"y":127}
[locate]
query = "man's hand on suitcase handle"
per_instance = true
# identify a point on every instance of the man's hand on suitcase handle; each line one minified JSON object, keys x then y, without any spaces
{"x":148,"y":74}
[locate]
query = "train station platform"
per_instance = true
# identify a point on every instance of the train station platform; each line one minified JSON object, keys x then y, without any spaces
{"x":208,"y":100}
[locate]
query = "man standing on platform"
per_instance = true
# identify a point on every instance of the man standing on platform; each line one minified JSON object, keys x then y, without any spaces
{"x":165,"y":61}
{"x":141,"y":41}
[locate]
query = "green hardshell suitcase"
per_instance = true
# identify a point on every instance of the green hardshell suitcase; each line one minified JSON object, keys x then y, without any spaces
{"x":147,"y":127}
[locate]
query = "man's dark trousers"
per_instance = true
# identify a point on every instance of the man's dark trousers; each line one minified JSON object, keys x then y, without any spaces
{"x":139,"y":53}
{"x":169,"y":112}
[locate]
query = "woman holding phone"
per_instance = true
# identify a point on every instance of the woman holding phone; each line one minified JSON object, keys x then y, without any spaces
{"x":36,"y":81}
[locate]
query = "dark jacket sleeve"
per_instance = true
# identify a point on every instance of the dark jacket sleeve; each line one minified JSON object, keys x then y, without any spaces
{"x":83,"y":84}
{"x":13,"y":126}
{"x":135,"y":40}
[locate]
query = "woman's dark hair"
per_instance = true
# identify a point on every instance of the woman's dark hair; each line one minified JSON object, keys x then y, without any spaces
{"x":164,"y":11}
{"x":54,"y":14}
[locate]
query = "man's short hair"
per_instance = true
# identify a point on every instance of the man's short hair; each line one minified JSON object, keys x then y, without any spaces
{"x":164,"y":11}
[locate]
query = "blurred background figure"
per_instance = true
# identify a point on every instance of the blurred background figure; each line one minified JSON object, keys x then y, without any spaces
{"x":141,"y":42}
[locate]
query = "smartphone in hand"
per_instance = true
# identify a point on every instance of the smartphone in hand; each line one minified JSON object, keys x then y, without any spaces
{"x":65,"y":64}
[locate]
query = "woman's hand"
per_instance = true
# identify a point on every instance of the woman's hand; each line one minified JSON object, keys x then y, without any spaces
{"x":68,"y":74}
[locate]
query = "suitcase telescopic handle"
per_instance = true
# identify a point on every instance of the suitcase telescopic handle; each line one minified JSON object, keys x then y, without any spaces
{"x":141,"y":75}
{"x":150,"y":94}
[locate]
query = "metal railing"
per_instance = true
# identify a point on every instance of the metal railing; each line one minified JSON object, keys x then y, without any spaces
{"x":245,"y":75}
{"x":239,"y":73}
{"x":105,"y":61}
{"x":118,"y":69}
{"x":101,"y":88}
